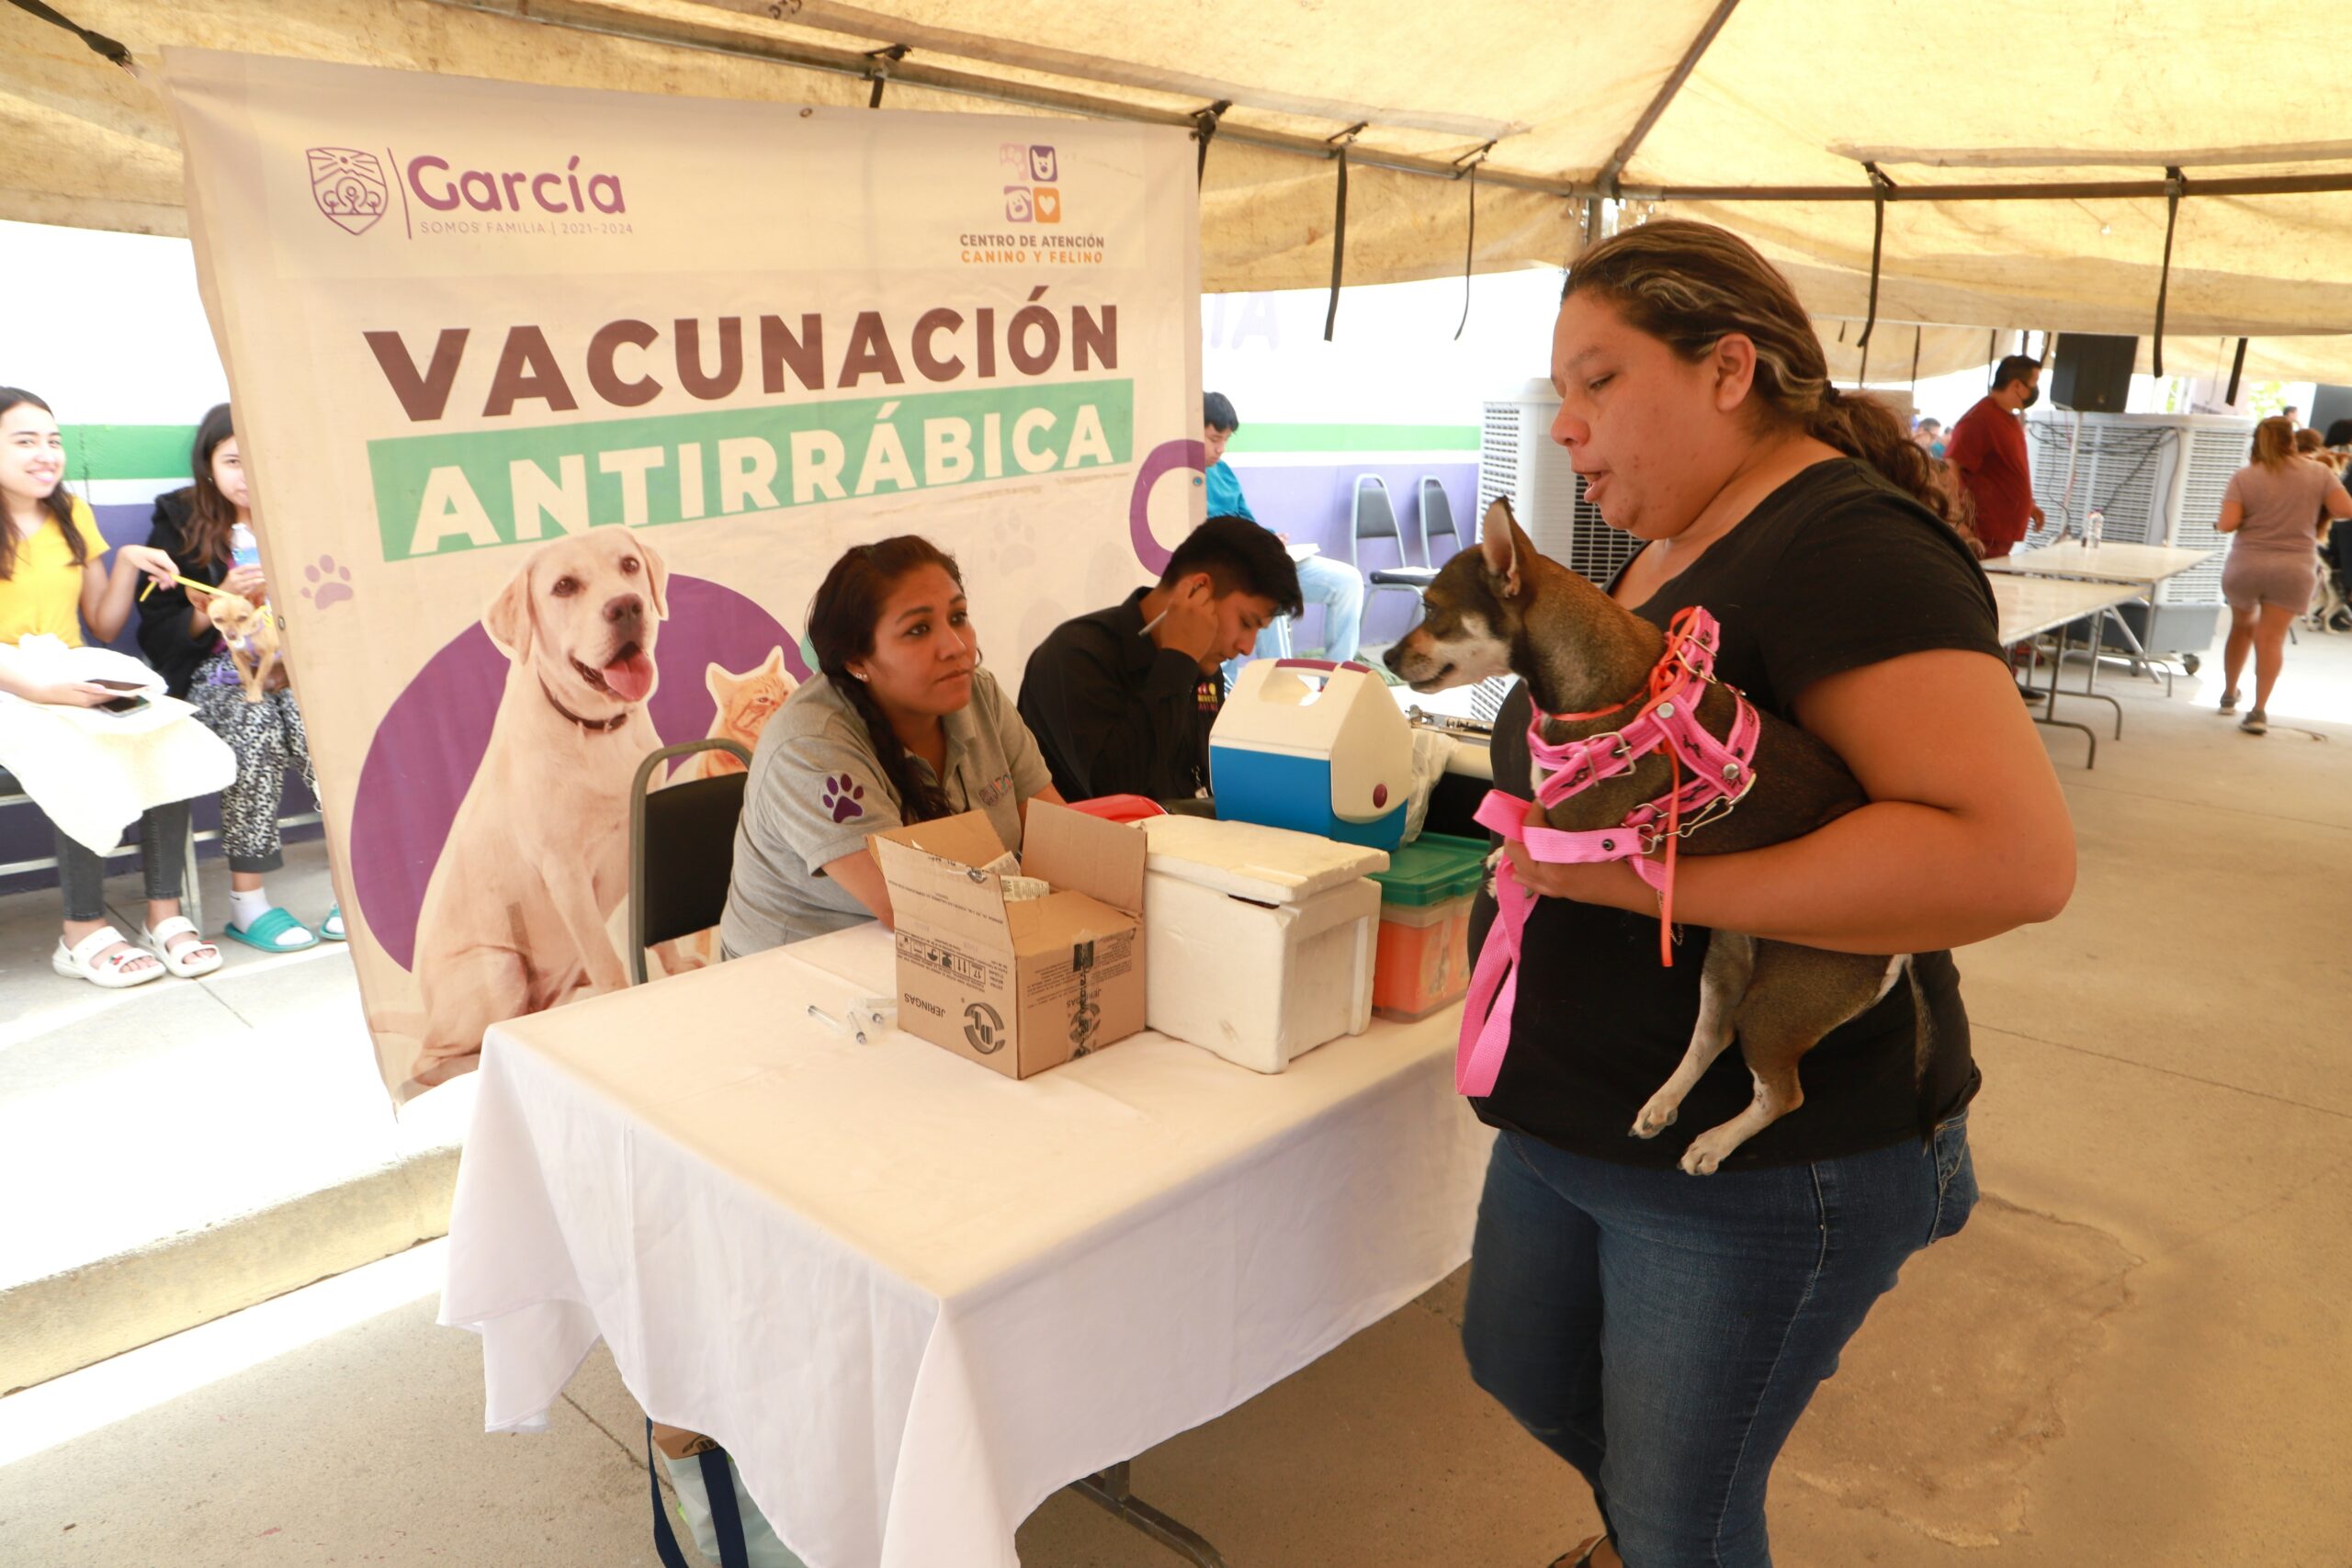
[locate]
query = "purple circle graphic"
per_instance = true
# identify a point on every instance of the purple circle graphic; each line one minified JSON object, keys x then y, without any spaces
{"x":432,"y":736}
{"x":1166,"y":457}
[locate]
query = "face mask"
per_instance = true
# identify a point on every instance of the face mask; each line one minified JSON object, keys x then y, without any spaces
{"x":2033,"y":396}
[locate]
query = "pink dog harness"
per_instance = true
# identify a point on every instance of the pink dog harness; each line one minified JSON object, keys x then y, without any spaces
{"x":1718,"y":777}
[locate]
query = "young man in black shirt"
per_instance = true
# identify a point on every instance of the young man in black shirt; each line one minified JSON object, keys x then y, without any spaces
{"x":1121,"y":701}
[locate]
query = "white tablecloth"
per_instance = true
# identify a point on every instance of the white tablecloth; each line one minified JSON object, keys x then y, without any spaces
{"x":2146,"y":565}
{"x":2027,"y":606}
{"x":911,"y":1297}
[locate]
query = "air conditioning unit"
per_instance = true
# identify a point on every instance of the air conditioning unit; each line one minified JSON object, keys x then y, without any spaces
{"x":1518,"y":457}
{"x":2157,"y":478}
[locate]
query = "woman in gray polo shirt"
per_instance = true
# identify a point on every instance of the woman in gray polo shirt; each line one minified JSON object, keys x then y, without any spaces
{"x":901,"y":726}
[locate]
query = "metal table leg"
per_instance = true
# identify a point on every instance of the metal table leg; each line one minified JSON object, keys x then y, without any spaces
{"x":2048,"y":714}
{"x":2090,"y":674}
{"x":2143,"y":662}
{"x":1110,"y":1489}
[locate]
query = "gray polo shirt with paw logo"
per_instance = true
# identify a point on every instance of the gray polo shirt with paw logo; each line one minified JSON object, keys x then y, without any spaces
{"x":817,"y":792}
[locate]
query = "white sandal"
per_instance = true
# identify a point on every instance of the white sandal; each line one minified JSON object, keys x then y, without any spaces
{"x":110,"y":973}
{"x":189,"y":963}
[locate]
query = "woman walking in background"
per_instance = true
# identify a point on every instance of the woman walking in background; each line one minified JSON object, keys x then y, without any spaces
{"x":200,"y":528}
{"x":2275,"y":513}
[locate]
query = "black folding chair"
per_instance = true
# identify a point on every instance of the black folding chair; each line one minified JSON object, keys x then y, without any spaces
{"x":681,"y":850}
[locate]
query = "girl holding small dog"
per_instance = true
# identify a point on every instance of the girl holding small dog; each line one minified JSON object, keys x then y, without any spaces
{"x":1662,"y":1332}
{"x":195,"y":526}
{"x":2276,"y":512}
{"x":51,"y":584}
{"x":901,"y":725}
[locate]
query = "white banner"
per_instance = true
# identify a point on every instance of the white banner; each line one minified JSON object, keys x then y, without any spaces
{"x":560,"y":403}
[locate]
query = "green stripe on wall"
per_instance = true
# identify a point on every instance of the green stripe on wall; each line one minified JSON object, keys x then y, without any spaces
{"x":128,"y":451}
{"x":159,"y":451}
{"x":1355,"y":438}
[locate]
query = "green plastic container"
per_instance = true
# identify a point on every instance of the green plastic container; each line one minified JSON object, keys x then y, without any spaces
{"x":1431,"y":870}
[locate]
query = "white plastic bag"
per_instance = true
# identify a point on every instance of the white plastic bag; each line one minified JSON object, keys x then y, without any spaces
{"x":1431,"y":748}
{"x":761,"y":1548}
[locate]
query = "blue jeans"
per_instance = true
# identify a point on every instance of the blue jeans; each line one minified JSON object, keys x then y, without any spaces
{"x":1662,"y":1333}
{"x":1338,"y":588}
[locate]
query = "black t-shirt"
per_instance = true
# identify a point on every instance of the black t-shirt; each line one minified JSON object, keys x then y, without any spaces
{"x":1116,"y":714}
{"x":1836,"y":570}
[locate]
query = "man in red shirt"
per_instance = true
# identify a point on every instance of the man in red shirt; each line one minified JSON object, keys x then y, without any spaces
{"x":1987,"y":449}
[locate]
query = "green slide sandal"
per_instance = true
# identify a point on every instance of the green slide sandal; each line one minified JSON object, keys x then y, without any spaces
{"x":272,"y":933}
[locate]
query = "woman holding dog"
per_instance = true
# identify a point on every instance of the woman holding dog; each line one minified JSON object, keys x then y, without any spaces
{"x":901,"y":725}
{"x":52,"y":584}
{"x":1659,"y":1331}
{"x":195,"y":527}
{"x":2275,"y":511}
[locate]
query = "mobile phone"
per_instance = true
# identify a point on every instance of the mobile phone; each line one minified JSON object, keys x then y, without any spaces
{"x":120,"y":705}
{"x":118,"y":685}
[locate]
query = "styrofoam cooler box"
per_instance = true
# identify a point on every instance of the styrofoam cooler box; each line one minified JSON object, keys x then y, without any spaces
{"x":1259,"y":941}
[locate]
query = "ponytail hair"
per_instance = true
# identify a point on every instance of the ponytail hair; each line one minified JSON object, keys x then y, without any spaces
{"x":1691,"y":285}
{"x":2274,"y":441}
{"x":842,"y":621}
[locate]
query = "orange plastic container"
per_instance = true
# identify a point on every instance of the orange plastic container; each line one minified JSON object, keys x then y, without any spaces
{"x":1423,"y":960}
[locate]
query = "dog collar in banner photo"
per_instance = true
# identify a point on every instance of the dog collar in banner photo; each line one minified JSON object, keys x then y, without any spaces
{"x":592,"y":726}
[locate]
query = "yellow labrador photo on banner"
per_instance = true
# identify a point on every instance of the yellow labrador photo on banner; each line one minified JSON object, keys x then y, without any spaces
{"x":514,"y":917}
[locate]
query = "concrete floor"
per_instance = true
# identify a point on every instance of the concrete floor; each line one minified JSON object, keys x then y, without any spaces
{"x":229,"y":1138}
{"x":2136,"y":1353}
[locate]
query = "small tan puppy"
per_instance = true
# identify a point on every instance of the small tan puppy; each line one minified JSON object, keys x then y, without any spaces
{"x":514,"y":917}
{"x":251,"y":632}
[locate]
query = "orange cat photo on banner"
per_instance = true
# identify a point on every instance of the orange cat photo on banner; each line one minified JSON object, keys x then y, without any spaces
{"x":746,"y":702}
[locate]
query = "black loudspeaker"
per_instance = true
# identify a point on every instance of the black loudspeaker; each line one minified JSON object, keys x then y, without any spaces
{"x":2091,"y":374}
{"x":2331,"y":406}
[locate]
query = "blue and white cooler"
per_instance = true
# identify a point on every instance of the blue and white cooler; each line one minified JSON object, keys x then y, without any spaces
{"x":1314,"y":747}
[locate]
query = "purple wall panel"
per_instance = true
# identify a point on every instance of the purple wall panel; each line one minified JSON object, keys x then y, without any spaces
{"x":1310,"y":502}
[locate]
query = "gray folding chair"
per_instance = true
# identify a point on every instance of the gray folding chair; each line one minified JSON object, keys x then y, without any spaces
{"x":1371,"y":517}
{"x":681,"y":850}
{"x":1437,"y":521}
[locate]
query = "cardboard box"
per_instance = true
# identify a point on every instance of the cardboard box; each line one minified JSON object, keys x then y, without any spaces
{"x":1029,"y":985}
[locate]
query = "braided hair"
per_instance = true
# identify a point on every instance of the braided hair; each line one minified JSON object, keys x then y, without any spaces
{"x":842,"y":621}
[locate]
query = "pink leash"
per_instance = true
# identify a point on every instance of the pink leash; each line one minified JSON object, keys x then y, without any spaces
{"x":1718,"y":776}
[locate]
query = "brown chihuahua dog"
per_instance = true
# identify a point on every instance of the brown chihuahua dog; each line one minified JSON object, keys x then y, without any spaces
{"x":1502,"y":609}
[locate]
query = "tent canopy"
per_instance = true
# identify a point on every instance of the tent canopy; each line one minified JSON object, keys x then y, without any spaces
{"x":1768,"y":117}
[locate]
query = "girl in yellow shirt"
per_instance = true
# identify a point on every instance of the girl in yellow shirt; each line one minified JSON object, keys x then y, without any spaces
{"x":53,"y":582}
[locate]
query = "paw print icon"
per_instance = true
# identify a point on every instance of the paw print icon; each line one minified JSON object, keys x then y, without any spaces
{"x":842,"y":798}
{"x":326,"y":584}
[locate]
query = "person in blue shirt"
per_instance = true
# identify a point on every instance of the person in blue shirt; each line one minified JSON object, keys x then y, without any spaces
{"x":1334,"y":584}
